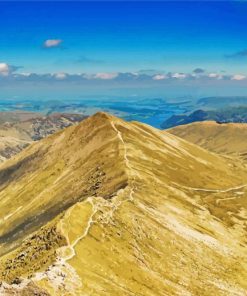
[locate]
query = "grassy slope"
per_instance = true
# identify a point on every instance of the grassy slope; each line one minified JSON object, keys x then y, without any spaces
{"x":229,"y":138}
{"x":51,"y":175}
{"x":154,"y":223}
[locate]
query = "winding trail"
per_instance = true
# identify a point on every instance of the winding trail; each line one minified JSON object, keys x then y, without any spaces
{"x":71,"y":246}
{"x":119,"y":135}
{"x":218,"y":201}
{"x":54,"y":274}
{"x":95,"y":206}
{"x":127,"y":162}
{"x":211,"y":190}
{"x":216,"y":191}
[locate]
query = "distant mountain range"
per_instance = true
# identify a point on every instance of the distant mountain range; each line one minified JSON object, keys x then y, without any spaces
{"x":17,"y":116}
{"x":233,"y":114}
{"x":109,"y":207}
{"x":152,"y":111}
{"x":22,"y":128}
{"x":158,"y":112}
{"x":223,"y":102}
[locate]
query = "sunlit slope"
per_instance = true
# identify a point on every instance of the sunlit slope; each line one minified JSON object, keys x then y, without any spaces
{"x":51,"y":175}
{"x":168,"y":219}
{"x":224,"y":138}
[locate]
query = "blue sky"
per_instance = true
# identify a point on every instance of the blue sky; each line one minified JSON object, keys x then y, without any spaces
{"x":98,"y":40}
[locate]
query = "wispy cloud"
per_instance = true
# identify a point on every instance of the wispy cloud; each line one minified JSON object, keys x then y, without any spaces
{"x":60,"y":76}
{"x":179,"y":75}
{"x":88,"y":60}
{"x":159,"y":77}
{"x":51,"y":43}
{"x":213,"y":75}
{"x":239,"y":54}
{"x":105,"y":76}
{"x":148,"y":71}
{"x":238,"y":77}
{"x":8,"y":73}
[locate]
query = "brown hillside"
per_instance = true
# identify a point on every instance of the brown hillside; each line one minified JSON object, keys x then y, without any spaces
{"x":115,"y":208}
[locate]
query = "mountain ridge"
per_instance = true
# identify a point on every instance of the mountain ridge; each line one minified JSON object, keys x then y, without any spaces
{"x":223,"y":115}
{"x":145,"y":194}
{"x":221,"y":138}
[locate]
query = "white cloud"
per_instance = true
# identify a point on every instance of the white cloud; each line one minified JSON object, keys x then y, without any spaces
{"x":105,"y":76}
{"x":12,"y":73}
{"x":238,"y":77}
{"x":4,"y":69}
{"x":49,"y":43}
{"x":26,"y":74}
{"x":179,"y":75}
{"x":159,"y":77}
{"x":213,"y":75}
{"x":216,"y":76}
{"x":60,"y":76}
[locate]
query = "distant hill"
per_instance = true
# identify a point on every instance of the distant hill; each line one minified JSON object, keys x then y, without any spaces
{"x":234,"y":114}
{"x":17,"y":116}
{"x":24,"y":128}
{"x":226,"y":138}
{"x":222,"y":102}
{"x":109,"y":207}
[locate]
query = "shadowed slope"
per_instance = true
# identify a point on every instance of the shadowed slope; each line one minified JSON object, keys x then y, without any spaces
{"x":51,"y":175}
{"x":153,"y":226}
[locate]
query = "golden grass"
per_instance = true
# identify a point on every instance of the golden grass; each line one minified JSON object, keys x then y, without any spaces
{"x":144,"y":213}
